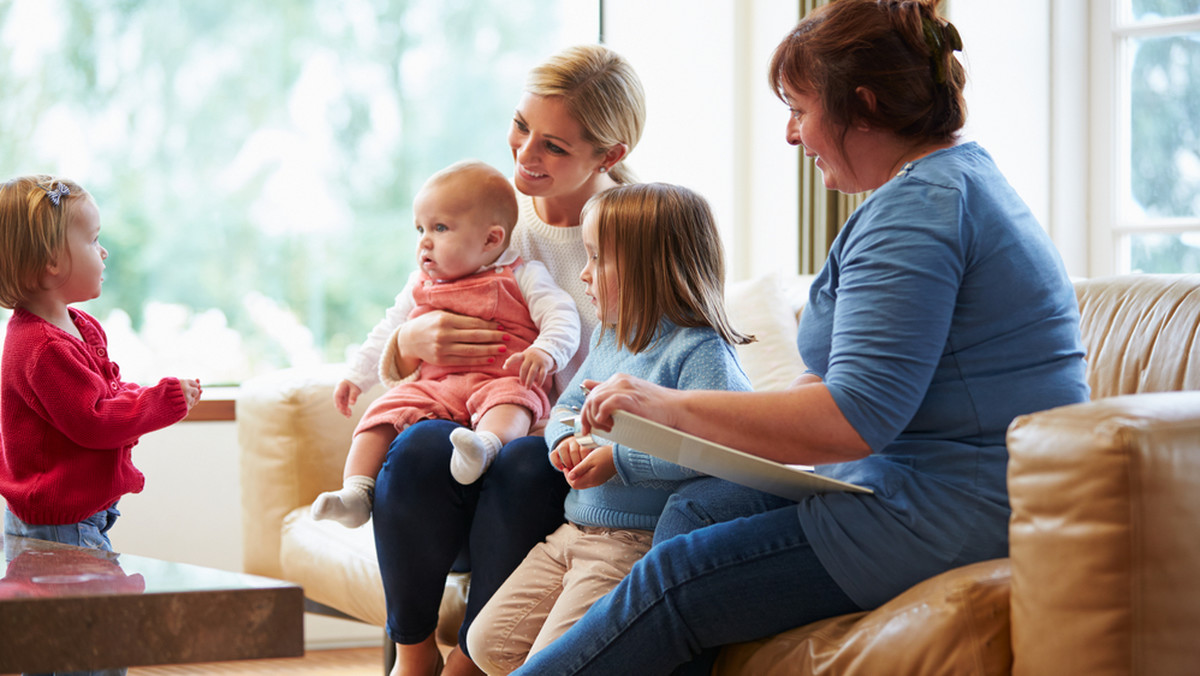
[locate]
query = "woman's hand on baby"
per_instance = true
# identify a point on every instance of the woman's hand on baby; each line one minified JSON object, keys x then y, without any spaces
{"x":595,"y":469}
{"x":191,"y":391}
{"x":447,"y":339}
{"x":534,"y":364}
{"x":345,"y":395}
{"x":623,"y":392}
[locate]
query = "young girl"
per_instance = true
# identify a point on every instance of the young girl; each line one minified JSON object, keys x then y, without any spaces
{"x":655,"y":275}
{"x":68,"y":423}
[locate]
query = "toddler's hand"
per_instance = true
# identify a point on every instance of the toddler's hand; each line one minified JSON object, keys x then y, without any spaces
{"x":345,"y":395}
{"x":567,"y":454}
{"x":534,"y":365}
{"x":597,"y":468}
{"x":191,"y":391}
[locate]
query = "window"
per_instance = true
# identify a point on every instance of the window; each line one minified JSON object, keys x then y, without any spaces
{"x":1146,"y":135}
{"x":254,"y":163}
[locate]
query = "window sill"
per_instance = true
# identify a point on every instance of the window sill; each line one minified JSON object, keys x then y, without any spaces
{"x":216,"y":405}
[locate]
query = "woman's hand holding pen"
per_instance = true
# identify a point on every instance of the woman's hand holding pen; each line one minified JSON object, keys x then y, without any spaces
{"x":623,"y":392}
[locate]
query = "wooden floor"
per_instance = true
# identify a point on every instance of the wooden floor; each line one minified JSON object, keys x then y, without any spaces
{"x":348,"y":662}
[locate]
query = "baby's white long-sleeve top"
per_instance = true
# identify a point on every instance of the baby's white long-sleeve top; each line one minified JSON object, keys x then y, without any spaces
{"x":552,"y":309}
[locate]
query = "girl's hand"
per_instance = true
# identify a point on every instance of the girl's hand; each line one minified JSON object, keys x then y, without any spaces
{"x":447,"y":339}
{"x":595,"y":469}
{"x":345,"y":395}
{"x":191,"y":391}
{"x":535,"y":366}
{"x":568,"y":454}
{"x":625,"y":393}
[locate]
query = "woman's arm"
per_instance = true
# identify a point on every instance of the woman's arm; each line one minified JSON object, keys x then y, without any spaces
{"x":800,"y":425}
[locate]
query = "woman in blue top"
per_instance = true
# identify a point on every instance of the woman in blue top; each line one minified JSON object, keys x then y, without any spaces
{"x":942,"y":313}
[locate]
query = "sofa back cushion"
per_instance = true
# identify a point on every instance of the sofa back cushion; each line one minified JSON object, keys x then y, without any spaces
{"x":1141,"y":333}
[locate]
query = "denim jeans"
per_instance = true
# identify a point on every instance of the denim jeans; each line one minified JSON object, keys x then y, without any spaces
{"x":725,"y":582}
{"x":92,"y":533}
{"x":427,"y":524}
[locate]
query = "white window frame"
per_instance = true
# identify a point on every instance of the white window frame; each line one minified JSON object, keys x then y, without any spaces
{"x":1110,"y":32}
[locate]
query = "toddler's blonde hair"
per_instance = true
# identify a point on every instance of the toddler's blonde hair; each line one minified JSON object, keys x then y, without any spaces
{"x":32,"y":231}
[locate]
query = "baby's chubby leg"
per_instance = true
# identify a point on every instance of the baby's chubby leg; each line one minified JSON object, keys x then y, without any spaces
{"x":351,"y":506}
{"x":475,"y":450}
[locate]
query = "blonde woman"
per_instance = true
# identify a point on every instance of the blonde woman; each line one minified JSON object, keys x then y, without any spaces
{"x":580,"y":116}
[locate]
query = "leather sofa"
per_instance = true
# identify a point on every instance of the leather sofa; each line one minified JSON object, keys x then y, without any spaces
{"x":1102,"y":574}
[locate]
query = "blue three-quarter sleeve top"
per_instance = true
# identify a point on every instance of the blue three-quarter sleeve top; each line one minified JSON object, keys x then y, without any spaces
{"x":943,"y":312}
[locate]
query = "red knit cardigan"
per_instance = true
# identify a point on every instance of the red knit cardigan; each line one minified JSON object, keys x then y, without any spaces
{"x":68,"y":423}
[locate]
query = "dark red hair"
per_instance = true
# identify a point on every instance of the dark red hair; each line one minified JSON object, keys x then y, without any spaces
{"x":900,"y":50}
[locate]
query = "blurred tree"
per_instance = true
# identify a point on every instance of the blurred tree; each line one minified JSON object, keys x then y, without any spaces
{"x":262,"y":147}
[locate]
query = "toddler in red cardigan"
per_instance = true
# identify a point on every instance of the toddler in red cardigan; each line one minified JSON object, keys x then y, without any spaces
{"x":68,"y":423}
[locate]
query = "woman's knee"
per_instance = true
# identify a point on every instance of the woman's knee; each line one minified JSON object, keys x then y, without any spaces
{"x":523,"y":465}
{"x":420,"y":450}
{"x":417,"y":466}
{"x":708,"y":500}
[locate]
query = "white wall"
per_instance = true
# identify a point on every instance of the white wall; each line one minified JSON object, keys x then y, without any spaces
{"x":713,"y":123}
{"x":1006,"y":54}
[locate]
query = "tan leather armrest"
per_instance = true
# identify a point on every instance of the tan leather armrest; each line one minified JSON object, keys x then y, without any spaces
{"x":293,"y":446}
{"x":1104,"y":546}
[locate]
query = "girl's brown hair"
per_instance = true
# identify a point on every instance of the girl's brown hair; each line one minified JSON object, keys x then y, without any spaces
{"x":34,"y":213}
{"x":664,"y":243}
{"x":603,"y":94}
{"x":900,"y":50}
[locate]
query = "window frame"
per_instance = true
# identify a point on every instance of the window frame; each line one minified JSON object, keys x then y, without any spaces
{"x":1112,"y":31}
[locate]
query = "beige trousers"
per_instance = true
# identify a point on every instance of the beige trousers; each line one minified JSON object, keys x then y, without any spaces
{"x":552,"y":588}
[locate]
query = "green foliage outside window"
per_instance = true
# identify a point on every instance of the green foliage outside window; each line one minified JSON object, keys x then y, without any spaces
{"x":255,"y":162}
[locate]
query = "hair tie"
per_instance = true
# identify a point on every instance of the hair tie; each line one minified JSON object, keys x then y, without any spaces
{"x":56,"y":194}
{"x":939,"y":37}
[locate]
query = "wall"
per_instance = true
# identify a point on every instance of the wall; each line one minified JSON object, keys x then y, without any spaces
{"x":713,"y":124}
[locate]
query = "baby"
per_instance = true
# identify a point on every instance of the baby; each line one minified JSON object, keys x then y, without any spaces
{"x":464,"y":215}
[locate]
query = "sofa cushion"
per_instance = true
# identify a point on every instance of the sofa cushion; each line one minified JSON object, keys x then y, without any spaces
{"x":766,"y":307}
{"x":1140,"y":333}
{"x":337,"y":564}
{"x":956,"y":624}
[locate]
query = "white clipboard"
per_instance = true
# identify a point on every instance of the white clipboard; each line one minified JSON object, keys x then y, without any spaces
{"x":681,"y":448}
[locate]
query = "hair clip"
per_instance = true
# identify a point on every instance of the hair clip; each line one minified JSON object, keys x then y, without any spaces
{"x":940,"y":38}
{"x":56,"y":194}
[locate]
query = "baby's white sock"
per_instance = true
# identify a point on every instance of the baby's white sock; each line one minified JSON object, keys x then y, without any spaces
{"x":350,"y":506}
{"x":473,"y":454}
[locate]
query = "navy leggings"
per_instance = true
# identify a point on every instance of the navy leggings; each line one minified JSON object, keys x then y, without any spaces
{"x":427,"y":524}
